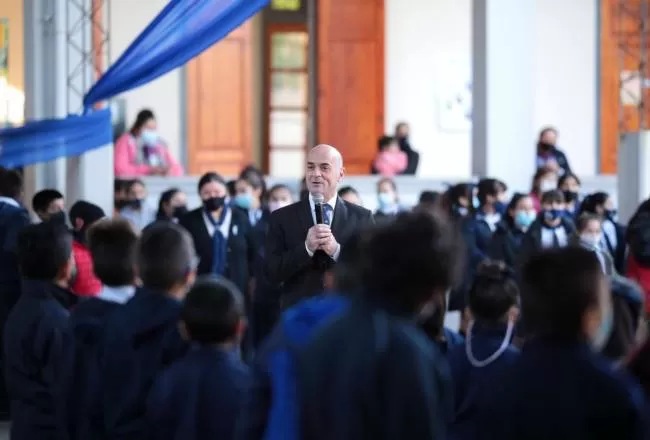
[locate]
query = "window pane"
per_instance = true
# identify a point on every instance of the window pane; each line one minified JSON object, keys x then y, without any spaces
{"x":288,"y":128}
{"x":289,"y":90}
{"x":289,"y":50}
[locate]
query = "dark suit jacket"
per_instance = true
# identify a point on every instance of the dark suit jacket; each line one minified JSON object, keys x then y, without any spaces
{"x":241,"y":245}
{"x":288,"y":265}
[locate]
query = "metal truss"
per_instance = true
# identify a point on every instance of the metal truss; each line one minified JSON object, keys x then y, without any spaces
{"x":632,"y":35}
{"x":88,"y":46}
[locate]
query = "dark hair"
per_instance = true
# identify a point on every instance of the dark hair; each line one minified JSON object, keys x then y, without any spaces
{"x":348,"y":268}
{"x":86,"y":211}
{"x":545,"y":130}
{"x":210,"y":177}
{"x":512,"y":206}
{"x":165,"y":255}
{"x":42,"y":199}
{"x":592,"y":201}
{"x":11,"y":183}
{"x":400,"y":125}
{"x":410,"y":258}
{"x":43,"y":249}
{"x":389,"y":181}
{"x":120,"y":185}
{"x":112,"y":244}
{"x":494,"y":291}
{"x":557,"y":287}
{"x":277,"y":187}
{"x":255,"y":178}
{"x":212,"y":311}
{"x":453,"y":195}
{"x":535,"y":186}
{"x":584,"y":219}
{"x":553,"y":196}
{"x":345,"y":190}
{"x":385,"y":141}
{"x":133,"y":182}
{"x":566,"y":176}
{"x":489,"y":187}
{"x":165,"y":198}
{"x":429,"y":197}
{"x":231,"y":188}
{"x":141,"y":119}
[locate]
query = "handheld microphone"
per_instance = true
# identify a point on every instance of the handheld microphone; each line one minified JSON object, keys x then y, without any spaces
{"x":318,"y":207}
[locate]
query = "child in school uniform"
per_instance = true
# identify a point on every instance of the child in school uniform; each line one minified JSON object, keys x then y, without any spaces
{"x":476,"y":364}
{"x":200,"y":396}
{"x":112,"y":244}
{"x":38,"y":344}
{"x":140,"y":341}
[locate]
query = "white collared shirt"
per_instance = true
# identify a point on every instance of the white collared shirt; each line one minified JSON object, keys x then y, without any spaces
{"x":9,"y":201}
{"x":312,"y":208}
{"x":117,"y":294}
{"x":547,"y":237}
{"x":224,"y":227}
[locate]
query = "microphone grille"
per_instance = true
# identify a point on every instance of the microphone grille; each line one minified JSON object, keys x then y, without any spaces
{"x":318,"y":198}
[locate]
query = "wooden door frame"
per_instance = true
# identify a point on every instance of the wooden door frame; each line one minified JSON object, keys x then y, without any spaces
{"x":269,"y":30}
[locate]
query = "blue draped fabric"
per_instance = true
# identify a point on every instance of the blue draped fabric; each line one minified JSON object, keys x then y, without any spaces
{"x":183,"y":30}
{"x":49,"y":139}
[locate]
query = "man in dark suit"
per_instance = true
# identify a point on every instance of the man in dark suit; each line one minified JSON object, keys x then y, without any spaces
{"x":13,"y":218}
{"x":298,"y":250}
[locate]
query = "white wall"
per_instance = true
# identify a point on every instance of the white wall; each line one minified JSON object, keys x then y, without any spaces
{"x":421,"y":35}
{"x":163,"y":96}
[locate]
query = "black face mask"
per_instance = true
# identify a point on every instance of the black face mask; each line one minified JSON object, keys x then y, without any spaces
{"x":214,"y":203}
{"x":545,"y":147}
{"x":179,"y":211}
{"x":136,"y":204}
{"x":570,"y":196}
{"x":120,"y":204}
{"x":57,"y":217}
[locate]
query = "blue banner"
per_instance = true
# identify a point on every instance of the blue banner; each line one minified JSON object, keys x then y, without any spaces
{"x":181,"y":31}
{"x":49,"y":139}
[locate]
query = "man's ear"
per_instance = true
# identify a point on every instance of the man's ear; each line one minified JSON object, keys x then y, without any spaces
{"x":182,"y":329}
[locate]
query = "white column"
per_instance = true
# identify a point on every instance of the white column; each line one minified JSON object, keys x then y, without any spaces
{"x":502,"y":131}
{"x":633,"y":173}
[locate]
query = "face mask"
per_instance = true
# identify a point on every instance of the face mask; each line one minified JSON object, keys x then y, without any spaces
{"x":570,"y":196}
{"x":524,"y":219}
{"x":136,"y":204}
{"x":462,"y":211}
{"x":475,"y":202}
{"x":500,"y":207}
{"x":149,"y":138}
{"x":546,"y":147}
{"x":548,"y":185}
{"x":591,"y":240}
{"x":179,"y":211}
{"x":244,"y":201}
{"x":601,"y":337}
{"x":386,"y":199}
{"x":274,"y":205}
{"x":551,"y":215}
{"x":214,"y":203}
{"x":611,"y":214}
{"x":494,"y":356}
{"x":119,"y":204}
{"x":57,"y":217}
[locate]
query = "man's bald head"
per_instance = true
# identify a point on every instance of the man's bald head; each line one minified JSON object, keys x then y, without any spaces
{"x":324,"y":170}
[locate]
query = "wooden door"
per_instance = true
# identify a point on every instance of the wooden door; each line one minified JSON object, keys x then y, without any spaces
{"x":219,"y":106}
{"x":350,"y":78}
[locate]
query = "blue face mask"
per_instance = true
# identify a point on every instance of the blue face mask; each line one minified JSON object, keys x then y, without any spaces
{"x":244,"y":201}
{"x":475,"y":202}
{"x":552,"y":215}
{"x":386,"y":199}
{"x":500,"y":207}
{"x":149,"y":138}
{"x":524,"y":219}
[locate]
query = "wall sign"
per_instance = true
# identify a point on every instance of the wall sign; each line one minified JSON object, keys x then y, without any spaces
{"x":285,"y":5}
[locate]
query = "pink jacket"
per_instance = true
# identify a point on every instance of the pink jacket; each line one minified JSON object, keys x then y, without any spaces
{"x":128,"y":162}
{"x":390,"y":163}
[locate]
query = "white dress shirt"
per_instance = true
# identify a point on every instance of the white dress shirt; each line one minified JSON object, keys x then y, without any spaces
{"x":547,"y":237}
{"x":225,"y":226}
{"x":119,"y":294}
{"x":312,"y":208}
{"x":9,"y":201}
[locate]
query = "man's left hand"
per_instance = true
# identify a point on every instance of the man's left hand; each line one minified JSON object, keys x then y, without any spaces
{"x":330,"y":246}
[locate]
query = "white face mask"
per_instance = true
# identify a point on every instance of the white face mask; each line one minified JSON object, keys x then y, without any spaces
{"x":548,"y":185}
{"x":592,"y":240}
{"x":274,"y":205}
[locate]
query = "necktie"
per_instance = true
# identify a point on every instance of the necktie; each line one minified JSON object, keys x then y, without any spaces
{"x":327,"y":214}
{"x":556,"y":240}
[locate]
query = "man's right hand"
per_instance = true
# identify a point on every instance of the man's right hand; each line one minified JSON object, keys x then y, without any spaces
{"x":317,"y":236}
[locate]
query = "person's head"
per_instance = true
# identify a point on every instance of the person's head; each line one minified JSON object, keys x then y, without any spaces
{"x":251,"y":171}
{"x":82,"y":215}
{"x":248,"y":191}
{"x":589,"y":228}
{"x":166,"y":260}
{"x":430,"y":198}
{"x":136,"y":194}
{"x":553,"y":207}
{"x":402,"y":130}
{"x":388,"y":143}
{"x":494,"y":295}
{"x":491,"y":193}
{"x":48,"y":204}
{"x":231,"y":188}
{"x":548,"y":136}
{"x":350,"y":195}
{"x":212,"y":191}
{"x":213,"y":313}
{"x":543,"y":181}
{"x":145,"y":127}
{"x":387,"y":193}
{"x":324,"y":170}
{"x":569,"y":184}
{"x":345,"y":276}
{"x":521,"y":211}
{"x":44,"y":253}
{"x":112,"y":244}
{"x":601,"y":204}
{"x":279,"y":197}
{"x":11,"y":184}
{"x":564,"y":295}
{"x":460,"y":199}
{"x":172,"y":204}
{"x":411,"y":262}
{"x":120,"y":193}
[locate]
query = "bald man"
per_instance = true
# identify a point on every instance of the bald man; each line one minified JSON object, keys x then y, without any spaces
{"x":299,"y":251}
